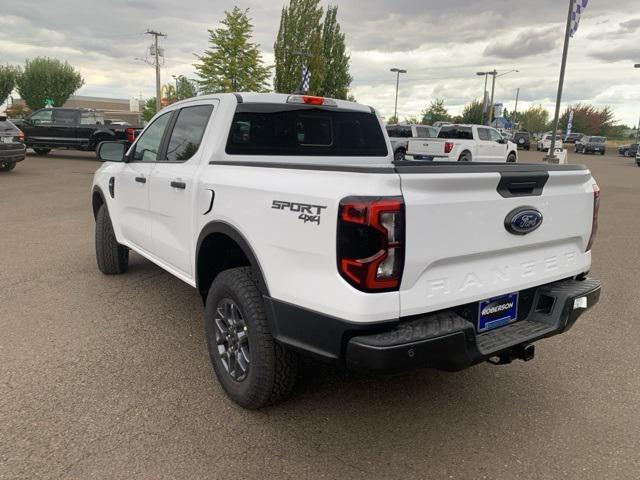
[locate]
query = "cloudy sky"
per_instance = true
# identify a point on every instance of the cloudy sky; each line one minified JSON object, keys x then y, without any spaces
{"x":441,"y":44}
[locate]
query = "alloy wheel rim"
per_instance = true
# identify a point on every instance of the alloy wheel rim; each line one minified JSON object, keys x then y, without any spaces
{"x":232,"y":339}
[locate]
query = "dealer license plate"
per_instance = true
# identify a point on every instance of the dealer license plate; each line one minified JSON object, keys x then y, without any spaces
{"x":497,"y":311}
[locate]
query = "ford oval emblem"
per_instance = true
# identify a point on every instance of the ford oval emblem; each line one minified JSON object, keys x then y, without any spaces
{"x":523,"y":220}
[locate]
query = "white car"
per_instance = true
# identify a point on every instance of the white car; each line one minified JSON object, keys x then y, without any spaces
{"x":289,"y":217}
{"x":465,"y":143}
{"x":400,"y":135}
{"x":544,"y":144}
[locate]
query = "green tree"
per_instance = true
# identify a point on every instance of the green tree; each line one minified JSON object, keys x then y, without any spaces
{"x":46,"y":78}
{"x":149,"y":109}
{"x":299,"y":42}
{"x":233,"y":63}
{"x":392,"y":120}
{"x":337,"y":78}
{"x":186,"y":88}
{"x":534,"y":119}
{"x":436,"y":112}
{"x":8,"y":77}
{"x":411,"y":120}
{"x":472,"y":113}
{"x":589,"y":119}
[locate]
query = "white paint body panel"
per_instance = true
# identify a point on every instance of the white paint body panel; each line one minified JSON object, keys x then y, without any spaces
{"x":457,"y":249}
{"x":481,"y":150}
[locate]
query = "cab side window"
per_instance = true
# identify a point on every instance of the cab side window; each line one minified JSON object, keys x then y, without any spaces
{"x":65,"y":117}
{"x":148,"y":145}
{"x":43,"y":117}
{"x":188,"y":132}
{"x":495,"y":135}
{"x":483,"y":134}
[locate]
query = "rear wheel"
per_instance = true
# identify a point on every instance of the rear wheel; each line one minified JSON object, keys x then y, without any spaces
{"x":399,"y":155}
{"x":42,"y":151}
{"x":253,"y":369}
{"x":7,"y":167}
{"x":112,"y":257}
{"x":464,"y":157}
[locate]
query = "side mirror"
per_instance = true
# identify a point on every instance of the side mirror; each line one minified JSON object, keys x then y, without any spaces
{"x":111,"y":151}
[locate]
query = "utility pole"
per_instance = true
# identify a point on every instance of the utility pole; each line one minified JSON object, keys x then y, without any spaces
{"x":637,"y":65}
{"x":484,"y":93}
{"x":398,"y":71}
{"x":551,"y":157}
{"x":515,"y":111}
{"x":156,"y":63}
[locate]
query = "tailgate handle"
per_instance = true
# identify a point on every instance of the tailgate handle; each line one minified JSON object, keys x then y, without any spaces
{"x":522,"y":184}
{"x":522,"y":188}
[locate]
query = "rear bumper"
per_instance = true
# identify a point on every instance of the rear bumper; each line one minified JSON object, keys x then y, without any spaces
{"x":11,"y":154}
{"x":444,"y":340}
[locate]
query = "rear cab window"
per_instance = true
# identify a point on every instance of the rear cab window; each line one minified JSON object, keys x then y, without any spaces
{"x":304,"y":130}
{"x":456,"y":132}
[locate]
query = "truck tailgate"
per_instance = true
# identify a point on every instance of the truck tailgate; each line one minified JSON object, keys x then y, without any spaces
{"x":458,"y":249}
{"x":430,"y":147}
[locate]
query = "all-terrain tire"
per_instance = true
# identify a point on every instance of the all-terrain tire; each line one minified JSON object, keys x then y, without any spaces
{"x":272,"y":368}
{"x":112,"y":257}
{"x":7,"y":167}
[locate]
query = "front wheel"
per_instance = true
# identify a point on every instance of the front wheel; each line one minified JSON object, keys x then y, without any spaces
{"x":7,"y":167}
{"x":253,"y":369}
{"x":511,"y":158}
{"x":42,"y":151}
{"x":112,"y":257}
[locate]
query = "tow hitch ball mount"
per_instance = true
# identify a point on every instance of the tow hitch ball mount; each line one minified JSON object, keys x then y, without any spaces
{"x":519,"y":352}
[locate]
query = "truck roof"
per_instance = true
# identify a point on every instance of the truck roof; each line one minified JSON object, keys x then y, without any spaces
{"x":275,"y":98}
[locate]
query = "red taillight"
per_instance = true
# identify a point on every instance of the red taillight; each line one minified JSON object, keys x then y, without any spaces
{"x":371,"y":242}
{"x":448,"y":146}
{"x":596,"y":210}
{"x":131,"y":135}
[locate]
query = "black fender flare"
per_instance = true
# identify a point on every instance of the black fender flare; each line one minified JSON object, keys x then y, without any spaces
{"x":219,"y":226}
{"x":98,"y":190}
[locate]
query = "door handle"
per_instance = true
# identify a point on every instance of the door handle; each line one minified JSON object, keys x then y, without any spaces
{"x":141,"y":180}
{"x":180,"y":185}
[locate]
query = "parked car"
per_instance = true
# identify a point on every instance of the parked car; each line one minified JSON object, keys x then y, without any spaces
{"x":522,"y":140}
{"x":628,"y":150}
{"x":465,"y":143}
{"x":544,"y":144}
{"x":638,"y":157}
{"x":400,"y":135}
{"x":592,"y":144}
{"x":12,"y":148}
{"x":572,"y":137}
{"x":289,"y":216}
{"x":75,"y":128}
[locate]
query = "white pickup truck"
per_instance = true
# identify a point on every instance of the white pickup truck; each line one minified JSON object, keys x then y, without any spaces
{"x":289,"y":216}
{"x":465,"y":143}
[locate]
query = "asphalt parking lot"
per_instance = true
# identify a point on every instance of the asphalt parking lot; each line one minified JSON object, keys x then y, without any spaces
{"x":109,"y":377}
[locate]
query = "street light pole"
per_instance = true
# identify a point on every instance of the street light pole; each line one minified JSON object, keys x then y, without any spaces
{"x":176,"y":79}
{"x":637,"y":65}
{"x":398,"y":71}
{"x":493,"y":73}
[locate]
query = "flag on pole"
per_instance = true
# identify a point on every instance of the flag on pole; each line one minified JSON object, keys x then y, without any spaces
{"x":306,"y":79}
{"x":578,"y":8}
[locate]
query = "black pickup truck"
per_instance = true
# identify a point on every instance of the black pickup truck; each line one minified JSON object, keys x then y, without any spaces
{"x":75,"y":128}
